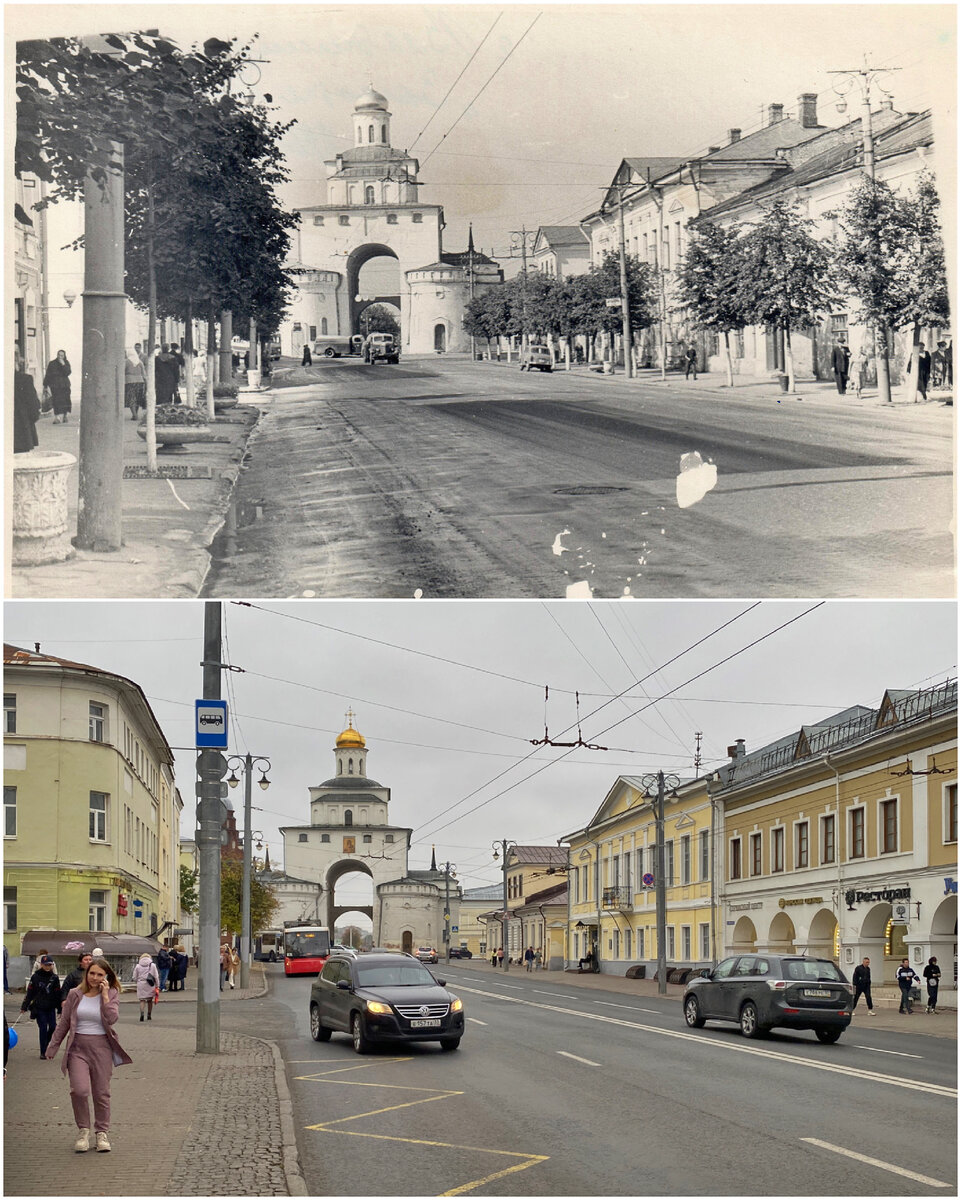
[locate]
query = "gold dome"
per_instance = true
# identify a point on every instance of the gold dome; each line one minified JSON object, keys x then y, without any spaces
{"x":350,"y":737}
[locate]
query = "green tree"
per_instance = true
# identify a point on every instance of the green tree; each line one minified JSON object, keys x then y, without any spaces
{"x":378,"y":318}
{"x":786,"y":275}
{"x":188,"y":889}
{"x":263,"y":902}
{"x":708,"y":282}
{"x":925,"y":282}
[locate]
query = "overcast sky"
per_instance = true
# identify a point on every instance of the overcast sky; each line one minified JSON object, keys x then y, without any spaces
{"x":448,"y":694}
{"x":556,"y":94}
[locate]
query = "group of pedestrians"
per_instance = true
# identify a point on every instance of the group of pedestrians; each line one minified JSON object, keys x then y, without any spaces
{"x":229,"y":965}
{"x":908,"y":982}
{"x":532,"y":959}
{"x":169,"y":370}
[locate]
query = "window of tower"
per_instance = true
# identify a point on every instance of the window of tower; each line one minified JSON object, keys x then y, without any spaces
{"x":325,"y":837}
{"x":383,"y":134}
{"x":350,"y":766}
{"x":340,"y":768}
{"x":348,"y":817}
{"x":369,"y":194}
{"x":370,"y":133}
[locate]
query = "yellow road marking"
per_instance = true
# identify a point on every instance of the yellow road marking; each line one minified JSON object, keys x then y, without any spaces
{"x":530,"y":1160}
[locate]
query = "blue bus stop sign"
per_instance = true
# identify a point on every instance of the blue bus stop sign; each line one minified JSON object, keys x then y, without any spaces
{"x":211,"y":724}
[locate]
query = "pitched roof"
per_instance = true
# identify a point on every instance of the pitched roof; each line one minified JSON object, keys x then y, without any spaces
{"x":551,"y":856}
{"x":563,"y":235}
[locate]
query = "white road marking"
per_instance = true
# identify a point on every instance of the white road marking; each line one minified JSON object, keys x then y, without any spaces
{"x":476,"y":1022}
{"x":934,"y":1089}
{"x":586,"y":1061}
{"x":556,"y":995}
{"x":632,"y":1007}
{"x":877,"y":1162}
{"x":899,"y":1053}
{"x":177,"y":498}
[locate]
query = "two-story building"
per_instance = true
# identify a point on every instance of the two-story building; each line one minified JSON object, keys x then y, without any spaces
{"x":91,"y":812}
{"x":842,"y":838}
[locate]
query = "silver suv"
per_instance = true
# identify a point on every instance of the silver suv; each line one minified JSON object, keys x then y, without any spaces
{"x":761,"y":991}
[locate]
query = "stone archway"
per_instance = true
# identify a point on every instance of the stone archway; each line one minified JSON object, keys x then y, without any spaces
{"x":781,"y":935}
{"x":822,"y":934}
{"x":345,"y":866}
{"x":744,"y":937}
{"x":356,"y":260}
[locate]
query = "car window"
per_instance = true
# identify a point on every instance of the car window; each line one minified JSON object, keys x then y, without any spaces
{"x":724,"y":968}
{"x":745,"y":965}
{"x":762,"y":966}
{"x":401,"y":974}
{"x":806,"y":970}
{"x":329,"y":971}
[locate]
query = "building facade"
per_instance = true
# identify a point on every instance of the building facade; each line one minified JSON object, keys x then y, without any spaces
{"x":91,"y":810}
{"x":841,"y":840}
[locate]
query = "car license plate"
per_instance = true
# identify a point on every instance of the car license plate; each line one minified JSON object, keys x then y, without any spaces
{"x":816,"y":992}
{"x":425,"y":1024}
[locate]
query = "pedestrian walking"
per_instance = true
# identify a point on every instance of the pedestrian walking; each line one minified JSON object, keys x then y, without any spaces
{"x":840,"y":362}
{"x":163,"y":967}
{"x":493,"y":958}
{"x":529,"y":958}
{"x":184,"y":963}
{"x":537,"y":960}
{"x":75,"y":975}
{"x":43,"y":1000}
{"x":932,"y":977}
{"x":134,"y":384}
{"x":6,"y":964}
{"x":306,"y":360}
{"x":166,"y":374}
{"x":145,"y":977}
{"x":181,"y":369}
{"x":861,"y":367}
{"x":56,"y":383}
{"x":690,"y":361}
{"x":500,"y":956}
{"x":90,"y":1013}
{"x":906,"y":980}
{"x":173,"y":979}
{"x":862,"y":985}
{"x":26,"y":408}
{"x":224,"y":964}
{"x":924,"y":371}
{"x":234,"y":967}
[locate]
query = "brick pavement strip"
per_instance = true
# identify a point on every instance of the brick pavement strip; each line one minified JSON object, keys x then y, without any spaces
{"x":182,"y":1123}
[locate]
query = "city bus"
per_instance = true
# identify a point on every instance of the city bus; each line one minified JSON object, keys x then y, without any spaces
{"x":306,"y":948}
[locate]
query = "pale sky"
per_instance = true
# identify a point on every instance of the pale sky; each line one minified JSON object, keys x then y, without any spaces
{"x":576,"y":91}
{"x":450,"y":734}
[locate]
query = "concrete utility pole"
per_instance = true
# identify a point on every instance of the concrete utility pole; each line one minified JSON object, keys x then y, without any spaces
{"x":505,"y":848}
{"x":211,"y":767}
{"x":447,"y":870}
{"x":99,"y":510}
{"x":660,"y":781}
{"x":247,"y":763}
{"x":520,"y":237}
{"x":625,"y":307}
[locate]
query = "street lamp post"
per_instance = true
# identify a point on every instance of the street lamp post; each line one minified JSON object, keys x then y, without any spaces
{"x":660,"y":781}
{"x":501,"y":850}
{"x":246,"y":764}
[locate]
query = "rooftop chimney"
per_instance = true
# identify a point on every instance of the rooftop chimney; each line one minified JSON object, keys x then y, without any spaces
{"x":887,"y":105}
{"x":733,"y":135}
{"x":713,"y":149}
{"x":737,"y":750}
{"x":807,"y":110}
{"x":775,"y":113}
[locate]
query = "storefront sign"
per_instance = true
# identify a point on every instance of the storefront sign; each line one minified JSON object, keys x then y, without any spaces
{"x":853,"y":897}
{"x":748,"y":906}
{"x":782,"y":903}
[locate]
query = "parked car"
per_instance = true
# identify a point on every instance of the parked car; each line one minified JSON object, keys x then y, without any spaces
{"x":381,"y":347}
{"x":762,"y":991}
{"x":382,"y":998}
{"x":539,"y":357}
{"x":426,"y":954}
{"x":460,"y":952}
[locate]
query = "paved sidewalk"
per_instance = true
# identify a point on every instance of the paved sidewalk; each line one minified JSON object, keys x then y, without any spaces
{"x":183,"y":1123}
{"x":168,"y":524}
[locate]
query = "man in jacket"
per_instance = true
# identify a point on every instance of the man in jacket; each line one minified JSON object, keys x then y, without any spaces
{"x":76,"y":976}
{"x":43,"y":1001}
{"x":163,"y":966}
{"x":932,"y":977}
{"x":840,"y":359}
{"x":906,"y":980}
{"x":862,"y":985}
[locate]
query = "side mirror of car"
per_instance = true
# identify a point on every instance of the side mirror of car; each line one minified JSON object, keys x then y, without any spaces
{"x":441,"y":982}
{"x":344,"y":985}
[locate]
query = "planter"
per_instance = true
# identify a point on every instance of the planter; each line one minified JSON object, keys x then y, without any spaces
{"x":40,"y":507}
{"x":171,"y":439}
{"x":222,"y":403}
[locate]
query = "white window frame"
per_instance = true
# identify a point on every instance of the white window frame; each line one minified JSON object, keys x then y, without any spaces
{"x":617,"y":943}
{"x":782,"y":830}
{"x":882,"y":800}
{"x":9,"y":712}
{"x":756,"y":834}
{"x":98,"y":816}
{"x":9,"y":807}
{"x":686,"y":860}
{"x":97,"y":911}
{"x":740,"y":844}
{"x":670,"y":943}
{"x":850,"y":811}
{"x":669,"y":873}
{"x":640,"y":942}
{"x":687,"y":943}
{"x":704,"y":854}
{"x":804,"y":823}
{"x":945,"y":809}
{"x":97,"y":722}
{"x":822,"y":822}
{"x":704,"y":930}
{"x":627,"y":942}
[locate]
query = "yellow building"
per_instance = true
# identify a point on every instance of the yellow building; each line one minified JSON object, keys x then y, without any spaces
{"x":611,"y":879}
{"x":842,"y":839}
{"x":91,"y":813}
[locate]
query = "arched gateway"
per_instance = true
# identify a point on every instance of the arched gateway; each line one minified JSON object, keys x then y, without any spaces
{"x":350,"y":832}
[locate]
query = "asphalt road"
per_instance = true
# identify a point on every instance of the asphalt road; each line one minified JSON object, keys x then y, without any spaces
{"x":450,"y":478}
{"x":560,"y":1091}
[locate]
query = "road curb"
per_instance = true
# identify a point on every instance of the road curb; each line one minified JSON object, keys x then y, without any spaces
{"x":296,"y":1183}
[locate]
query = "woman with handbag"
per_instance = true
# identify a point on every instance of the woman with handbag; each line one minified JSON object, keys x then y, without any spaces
{"x":57,"y":382}
{"x":90,"y":1013}
{"x":145,"y":977}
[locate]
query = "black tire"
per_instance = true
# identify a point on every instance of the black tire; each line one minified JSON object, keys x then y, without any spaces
{"x":320,"y":1033}
{"x":449,"y":1043}
{"x":827,"y":1034}
{"x":330,"y":352}
{"x":750,"y":1022}
{"x":692,"y":1013}
{"x":359,"y":1034}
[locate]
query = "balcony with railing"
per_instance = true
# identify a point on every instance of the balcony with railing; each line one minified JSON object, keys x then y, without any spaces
{"x":617,"y":899}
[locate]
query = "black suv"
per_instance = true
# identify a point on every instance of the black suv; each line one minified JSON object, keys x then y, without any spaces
{"x":760,"y":991}
{"x":382,"y":998}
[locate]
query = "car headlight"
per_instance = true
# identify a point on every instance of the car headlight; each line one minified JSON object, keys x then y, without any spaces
{"x":456,"y":1005}
{"x":376,"y":1006}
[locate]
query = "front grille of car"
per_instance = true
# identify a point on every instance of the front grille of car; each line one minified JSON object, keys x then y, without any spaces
{"x":414,"y":1012}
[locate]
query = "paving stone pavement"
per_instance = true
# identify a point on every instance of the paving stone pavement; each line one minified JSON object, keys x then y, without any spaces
{"x":182,"y":1123}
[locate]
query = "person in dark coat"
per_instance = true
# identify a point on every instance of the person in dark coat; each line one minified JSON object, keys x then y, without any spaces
{"x":26,"y":409}
{"x":862,"y":985}
{"x":43,"y":1001}
{"x":76,"y":976}
{"x":57,"y":380}
{"x":690,"y":361}
{"x":840,"y":361}
{"x":166,"y":374}
{"x":932,"y":977}
{"x":924,"y":371}
{"x":306,"y":361}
